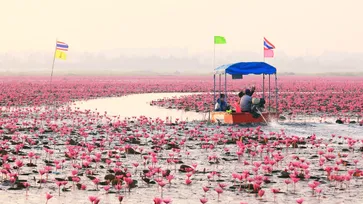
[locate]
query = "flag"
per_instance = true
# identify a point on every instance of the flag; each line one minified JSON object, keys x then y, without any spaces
{"x":60,"y":55}
{"x":268,"y":53}
{"x":268,"y":45}
{"x":268,"y":48}
{"x":219,"y":40}
{"x":62,"y":46}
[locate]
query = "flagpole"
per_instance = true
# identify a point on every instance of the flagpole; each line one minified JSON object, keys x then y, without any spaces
{"x":263,"y":50}
{"x":214,"y":74}
{"x":51,"y":75}
{"x":263,"y":75}
{"x":269,"y":91}
{"x":214,"y":64}
{"x":214,"y":55}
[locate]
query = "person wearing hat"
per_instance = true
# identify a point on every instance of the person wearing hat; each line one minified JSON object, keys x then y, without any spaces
{"x":257,"y":106}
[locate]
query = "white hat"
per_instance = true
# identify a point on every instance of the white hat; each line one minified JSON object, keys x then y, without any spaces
{"x":255,"y":101}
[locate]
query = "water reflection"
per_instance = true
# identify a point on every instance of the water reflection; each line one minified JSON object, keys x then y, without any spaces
{"x":139,"y":105}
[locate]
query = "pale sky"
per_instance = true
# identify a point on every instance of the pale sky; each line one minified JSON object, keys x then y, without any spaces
{"x":293,"y":26}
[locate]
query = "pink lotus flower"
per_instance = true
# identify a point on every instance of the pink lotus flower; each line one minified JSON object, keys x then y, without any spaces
{"x":261,"y":193}
{"x":48,"y":196}
{"x":167,"y":200}
{"x":299,"y":200}
{"x":92,"y":198}
{"x":204,"y":200}
{"x":158,"y":200}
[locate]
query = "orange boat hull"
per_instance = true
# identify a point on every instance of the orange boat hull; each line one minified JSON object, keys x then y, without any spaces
{"x":244,"y":117}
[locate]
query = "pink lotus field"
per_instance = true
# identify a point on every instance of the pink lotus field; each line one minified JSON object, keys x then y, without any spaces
{"x":338,"y":97}
{"x":53,"y":153}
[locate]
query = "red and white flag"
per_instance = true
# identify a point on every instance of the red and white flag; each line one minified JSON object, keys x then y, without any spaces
{"x":268,"y":48}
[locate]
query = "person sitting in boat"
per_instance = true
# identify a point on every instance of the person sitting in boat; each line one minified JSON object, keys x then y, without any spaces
{"x":258,"y":105}
{"x":240,"y":94}
{"x":237,"y":106}
{"x":246,"y":100}
{"x":221,"y":104}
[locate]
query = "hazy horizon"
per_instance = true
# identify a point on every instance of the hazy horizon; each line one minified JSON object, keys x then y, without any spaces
{"x":172,"y":35}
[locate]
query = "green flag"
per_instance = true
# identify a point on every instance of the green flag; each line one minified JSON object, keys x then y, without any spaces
{"x":219,"y":40}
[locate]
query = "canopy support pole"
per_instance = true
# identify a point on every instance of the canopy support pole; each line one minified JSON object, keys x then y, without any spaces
{"x":269,"y":92}
{"x":225,"y":84}
{"x":276,"y":92}
{"x":220,"y":84}
{"x":214,"y":93}
{"x":263,"y":86}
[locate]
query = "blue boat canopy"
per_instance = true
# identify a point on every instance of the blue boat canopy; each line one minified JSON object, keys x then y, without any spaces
{"x":245,"y":68}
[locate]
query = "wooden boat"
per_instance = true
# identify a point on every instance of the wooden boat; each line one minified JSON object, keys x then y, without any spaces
{"x":238,"y":70}
{"x":244,"y":117}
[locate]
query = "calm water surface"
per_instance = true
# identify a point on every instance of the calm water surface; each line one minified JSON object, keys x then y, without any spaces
{"x":139,"y":104}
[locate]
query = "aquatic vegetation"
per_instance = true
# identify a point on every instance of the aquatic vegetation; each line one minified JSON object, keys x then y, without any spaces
{"x":325,"y":97}
{"x":91,"y":157}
